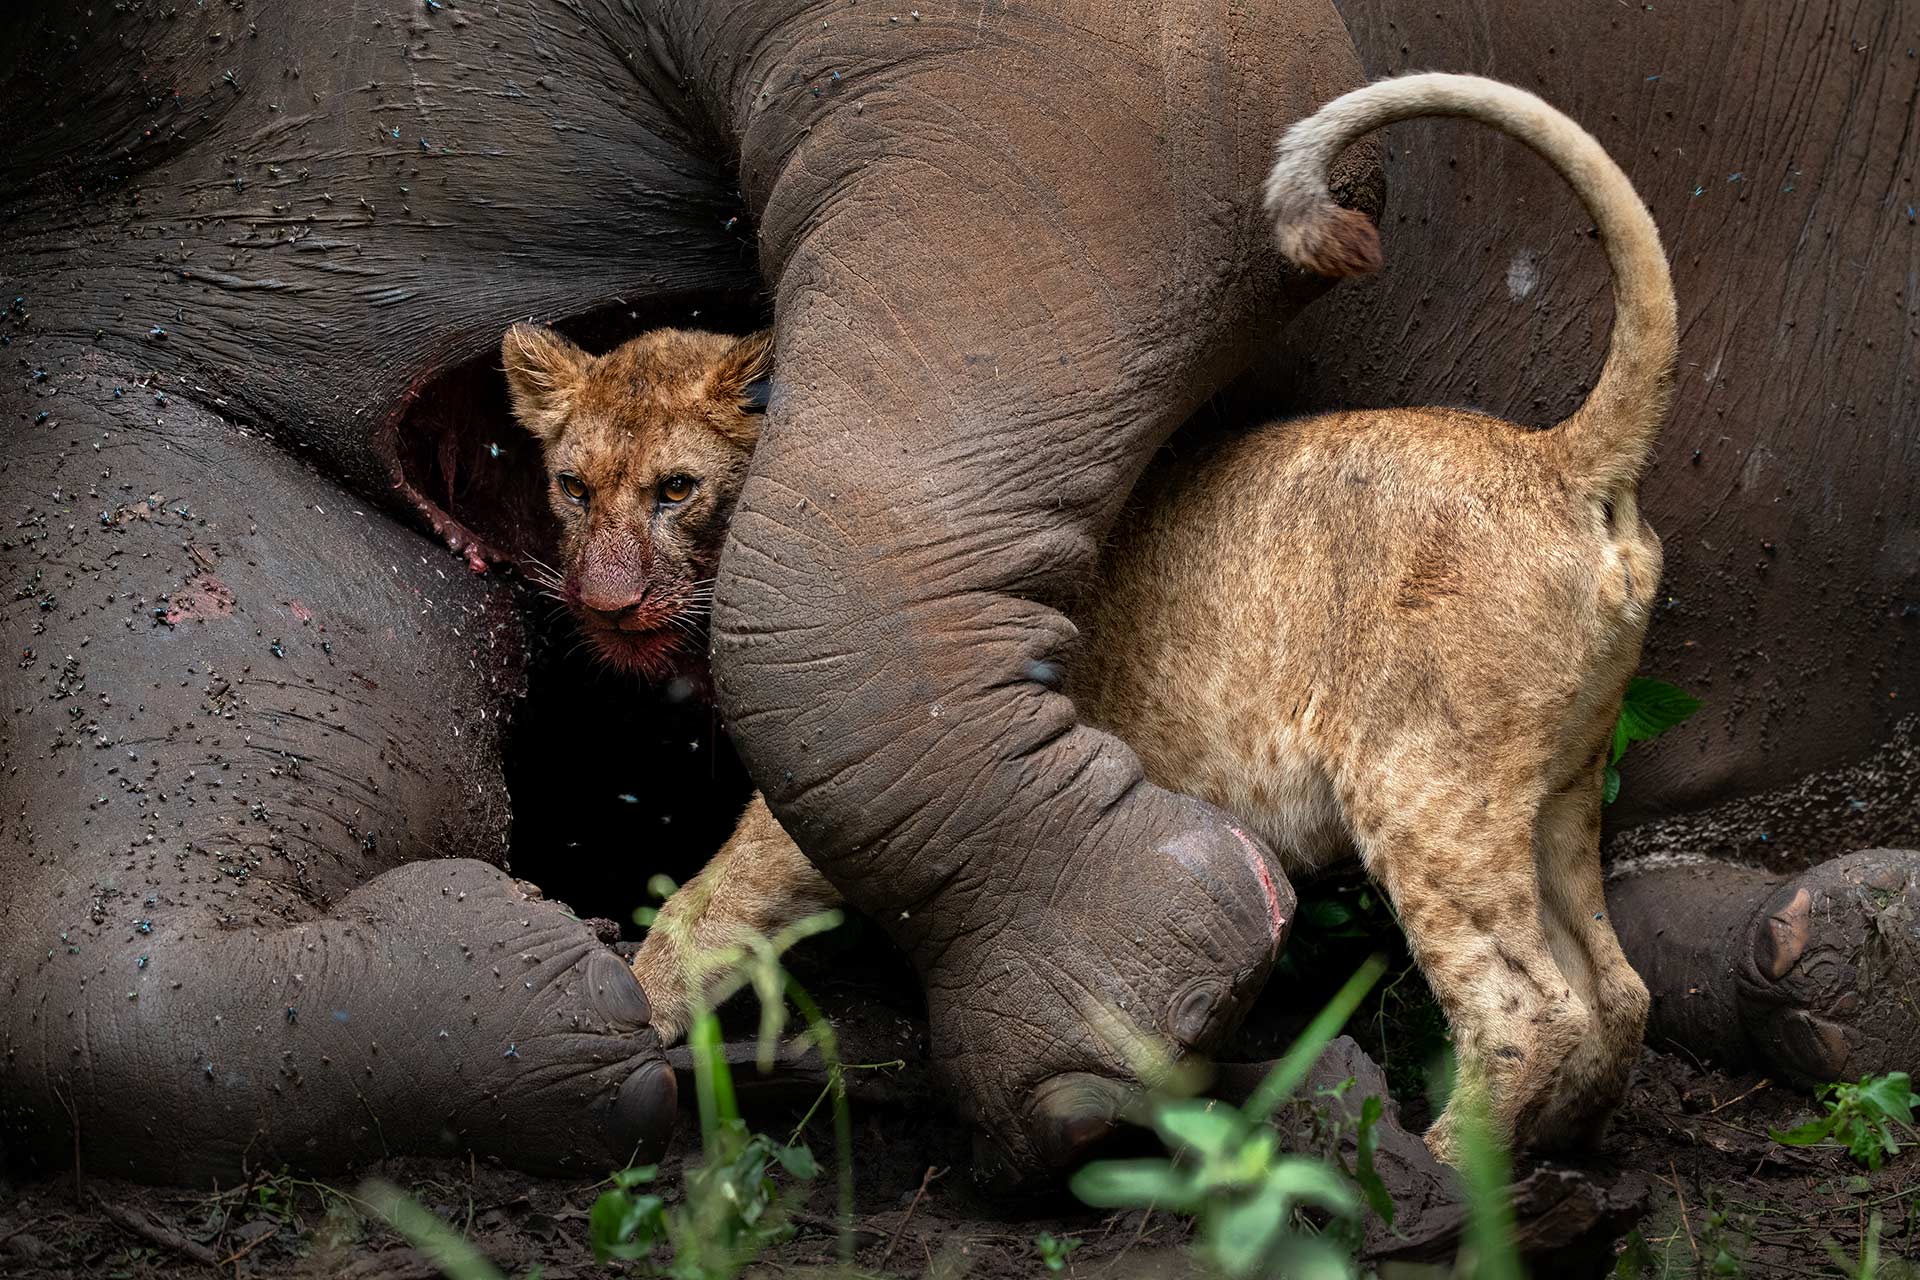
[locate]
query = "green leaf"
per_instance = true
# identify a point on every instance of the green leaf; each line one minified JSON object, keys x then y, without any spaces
{"x":1636,"y":1258}
{"x":1610,"y":786}
{"x":1305,"y":1257}
{"x":1891,"y":1095}
{"x":1133,"y":1184}
{"x":1619,"y":739}
{"x":798,"y":1160}
{"x":1244,"y":1165}
{"x":1327,"y":913}
{"x":1240,"y":1234}
{"x":1856,"y":1117}
{"x":1804,"y":1135}
{"x":1651,"y":707}
{"x":628,"y":1179}
{"x":1336,"y":1092}
{"x":1301,"y":1179}
{"x":624,"y":1226}
{"x":1054,"y":1249}
{"x":1209,"y":1128}
{"x":1379,"y":1199}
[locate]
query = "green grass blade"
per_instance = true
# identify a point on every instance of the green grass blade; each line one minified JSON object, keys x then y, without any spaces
{"x":456,"y":1256}
{"x":1486,"y":1173}
{"x":829,"y":1047}
{"x":712,"y":1086}
{"x":1287,"y":1076}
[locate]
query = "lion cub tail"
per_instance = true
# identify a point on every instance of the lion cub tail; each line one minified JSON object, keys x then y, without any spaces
{"x":1606,"y":441}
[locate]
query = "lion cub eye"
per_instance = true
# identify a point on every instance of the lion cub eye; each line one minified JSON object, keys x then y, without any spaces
{"x":676,"y":488}
{"x":573,"y":486}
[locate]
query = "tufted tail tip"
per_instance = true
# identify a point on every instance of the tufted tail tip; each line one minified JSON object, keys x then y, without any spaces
{"x":1334,"y":242}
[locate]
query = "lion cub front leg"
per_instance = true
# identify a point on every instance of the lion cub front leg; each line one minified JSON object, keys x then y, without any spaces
{"x":757,"y":883}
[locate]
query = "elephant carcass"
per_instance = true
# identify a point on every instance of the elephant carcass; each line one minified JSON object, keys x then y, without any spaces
{"x":1010,"y":250}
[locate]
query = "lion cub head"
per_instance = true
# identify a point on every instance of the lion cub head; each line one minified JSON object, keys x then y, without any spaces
{"x":646,"y":448}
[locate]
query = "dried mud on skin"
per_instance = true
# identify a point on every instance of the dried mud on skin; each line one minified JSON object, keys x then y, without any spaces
{"x":1699,"y":1136}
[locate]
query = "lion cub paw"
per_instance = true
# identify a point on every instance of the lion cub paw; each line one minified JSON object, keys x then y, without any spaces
{"x":663,"y":976}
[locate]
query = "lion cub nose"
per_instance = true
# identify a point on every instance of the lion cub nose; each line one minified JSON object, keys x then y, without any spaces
{"x":611,"y":605}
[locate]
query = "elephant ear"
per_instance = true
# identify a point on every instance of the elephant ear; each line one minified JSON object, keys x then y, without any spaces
{"x":745,"y":373}
{"x":544,"y":371}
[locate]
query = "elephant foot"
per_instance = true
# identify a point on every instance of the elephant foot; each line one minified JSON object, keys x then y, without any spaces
{"x":1043,"y":1022}
{"x":1805,"y":977}
{"x":437,"y":1010}
{"x":519,"y":1036}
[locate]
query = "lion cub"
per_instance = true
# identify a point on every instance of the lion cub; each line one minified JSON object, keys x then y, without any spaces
{"x":647,"y":447}
{"x":1401,"y":635}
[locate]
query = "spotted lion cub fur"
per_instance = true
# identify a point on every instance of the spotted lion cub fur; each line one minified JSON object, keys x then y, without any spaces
{"x":1398,"y":635}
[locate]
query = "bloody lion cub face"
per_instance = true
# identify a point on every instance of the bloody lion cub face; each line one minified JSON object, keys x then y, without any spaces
{"x":646,"y":448}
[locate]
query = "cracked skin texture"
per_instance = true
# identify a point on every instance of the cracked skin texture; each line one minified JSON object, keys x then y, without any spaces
{"x":244,"y":941}
{"x":336,"y":968}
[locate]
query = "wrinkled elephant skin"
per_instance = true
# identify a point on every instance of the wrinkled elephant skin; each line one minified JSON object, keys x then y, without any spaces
{"x":236,"y":700}
{"x":252,"y":753}
{"x":1009,"y":251}
{"x":248,"y":711}
{"x":928,"y":494}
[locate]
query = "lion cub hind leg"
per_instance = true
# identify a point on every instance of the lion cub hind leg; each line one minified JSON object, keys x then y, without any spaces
{"x":1573,"y":892}
{"x":759,"y":882}
{"x":1458,"y":863}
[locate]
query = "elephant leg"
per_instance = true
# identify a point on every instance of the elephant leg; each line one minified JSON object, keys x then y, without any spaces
{"x":759,"y":882}
{"x":251,"y":758}
{"x":1062,"y":911}
{"x":1804,"y":976}
{"x":1011,"y":251}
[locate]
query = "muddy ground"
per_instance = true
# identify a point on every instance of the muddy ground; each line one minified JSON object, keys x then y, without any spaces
{"x":1721,"y":1198}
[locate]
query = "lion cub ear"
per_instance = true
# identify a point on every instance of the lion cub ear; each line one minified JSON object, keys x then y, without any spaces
{"x":544,"y":372}
{"x":745,"y":372}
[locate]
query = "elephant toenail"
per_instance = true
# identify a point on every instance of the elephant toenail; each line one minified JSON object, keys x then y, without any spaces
{"x":1813,"y":1047}
{"x":643,"y":1112}
{"x":1071,"y":1114}
{"x":1784,"y":937}
{"x":615,"y":993}
{"x":1195,"y":1013}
